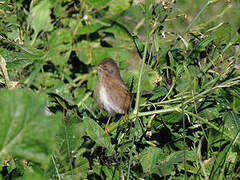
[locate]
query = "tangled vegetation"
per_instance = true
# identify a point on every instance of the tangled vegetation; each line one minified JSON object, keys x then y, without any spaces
{"x":180,"y":60}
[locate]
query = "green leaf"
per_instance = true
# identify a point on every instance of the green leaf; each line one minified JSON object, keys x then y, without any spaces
{"x":88,"y":29}
{"x":16,"y":60}
{"x":232,"y":123}
{"x":159,"y":91}
{"x":222,"y":34}
{"x":59,"y":46}
{"x":31,"y":175}
{"x":150,"y":157}
{"x":39,"y":17}
{"x":80,"y":171}
{"x":116,"y":53}
{"x":203,"y":43}
{"x":84,"y":51}
{"x":166,"y":166}
{"x":111,"y":172}
{"x":139,"y":45}
{"x":97,"y":3}
{"x":184,"y":82}
{"x":70,"y":138}
{"x":116,"y":6}
{"x":119,"y":33}
{"x":96,"y":133}
{"x":26,"y":130}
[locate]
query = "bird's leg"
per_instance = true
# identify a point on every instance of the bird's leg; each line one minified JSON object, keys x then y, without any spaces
{"x":126,"y":116}
{"x":106,"y":127}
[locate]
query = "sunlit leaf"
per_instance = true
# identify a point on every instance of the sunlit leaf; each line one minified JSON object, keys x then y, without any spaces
{"x":16,"y":60}
{"x":88,"y":29}
{"x":150,"y":157}
{"x":166,"y":165}
{"x":117,"y":6}
{"x":96,"y":133}
{"x":39,"y":17}
{"x":232,"y":123}
{"x":222,"y":34}
{"x":26,"y":130}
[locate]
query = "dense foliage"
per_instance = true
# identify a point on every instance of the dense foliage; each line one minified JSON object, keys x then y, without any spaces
{"x":180,"y":59}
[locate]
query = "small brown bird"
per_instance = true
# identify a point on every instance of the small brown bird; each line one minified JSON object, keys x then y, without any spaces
{"x":110,"y":92}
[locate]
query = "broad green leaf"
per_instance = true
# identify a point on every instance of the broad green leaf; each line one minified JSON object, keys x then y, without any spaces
{"x":26,"y":130}
{"x":70,"y":135}
{"x":118,"y":54}
{"x":232,"y":123}
{"x":159,"y":91}
{"x":88,"y":29}
{"x":96,"y":133}
{"x":59,"y":45}
{"x":149,"y":78}
{"x":116,"y":6}
{"x":80,"y":171}
{"x":111,"y":172}
{"x":172,"y":117}
{"x":31,"y":175}
{"x":150,"y":157}
{"x":84,"y":51}
{"x":184,"y":82}
{"x":166,"y":165}
{"x":17,"y":60}
{"x":213,"y":136}
{"x":119,"y":33}
{"x":209,"y":113}
{"x":222,"y":34}
{"x":39,"y":17}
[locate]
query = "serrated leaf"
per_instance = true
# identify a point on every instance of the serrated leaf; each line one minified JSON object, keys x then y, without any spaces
{"x":222,"y":34}
{"x":232,"y":123}
{"x":70,"y":137}
{"x":111,"y":172}
{"x":59,"y":46}
{"x":39,"y":17}
{"x":26,"y":130}
{"x":80,"y":171}
{"x":96,"y":133}
{"x":166,"y":166}
{"x":150,"y":157}
{"x":17,"y":60}
{"x":159,"y":91}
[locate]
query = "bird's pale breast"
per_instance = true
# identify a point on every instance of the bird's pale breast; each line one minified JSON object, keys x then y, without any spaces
{"x":108,"y":102}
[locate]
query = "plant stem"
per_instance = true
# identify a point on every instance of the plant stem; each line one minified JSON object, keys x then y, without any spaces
{"x":208,"y":123}
{"x":197,"y":16}
{"x":136,"y":109}
{"x":147,"y":22}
